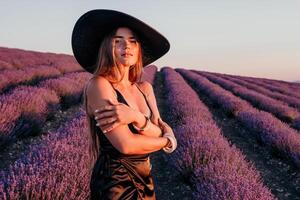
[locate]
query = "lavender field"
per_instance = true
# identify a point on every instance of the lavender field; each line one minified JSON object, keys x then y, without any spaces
{"x":238,"y":137}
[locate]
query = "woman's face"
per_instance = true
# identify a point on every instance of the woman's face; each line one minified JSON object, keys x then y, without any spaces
{"x":125,"y":47}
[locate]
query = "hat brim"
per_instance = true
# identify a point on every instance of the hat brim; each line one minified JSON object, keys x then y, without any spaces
{"x":91,"y":28}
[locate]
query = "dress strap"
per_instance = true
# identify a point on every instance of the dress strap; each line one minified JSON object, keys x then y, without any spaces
{"x":140,"y":90}
{"x":145,"y":99}
{"x":116,"y":91}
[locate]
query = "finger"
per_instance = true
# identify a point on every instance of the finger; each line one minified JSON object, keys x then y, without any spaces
{"x":164,"y":124}
{"x":109,"y":120}
{"x":161,"y":122}
{"x":104,"y":114}
{"x":112,"y":102}
{"x":103,"y":108}
{"x":110,"y":127}
{"x":105,"y":121}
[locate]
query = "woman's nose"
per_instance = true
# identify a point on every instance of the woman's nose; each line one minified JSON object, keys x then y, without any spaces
{"x":126,"y":44}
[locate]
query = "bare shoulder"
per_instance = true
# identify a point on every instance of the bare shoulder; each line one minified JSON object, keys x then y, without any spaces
{"x":98,"y":91}
{"x":100,"y":85}
{"x":97,"y":83}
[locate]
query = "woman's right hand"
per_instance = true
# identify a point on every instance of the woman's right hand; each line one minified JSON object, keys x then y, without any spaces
{"x":164,"y":126}
{"x":167,"y":129}
{"x":110,"y":116}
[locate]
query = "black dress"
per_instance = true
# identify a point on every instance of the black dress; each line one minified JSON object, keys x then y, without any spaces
{"x":119,"y":176}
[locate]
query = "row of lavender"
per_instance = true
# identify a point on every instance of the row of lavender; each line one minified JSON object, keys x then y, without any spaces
{"x":273,"y":87}
{"x":279,"y":83}
{"x":271,"y":131}
{"x":291,"y":101}
{"x":56,"y":167}
{"x":28,"y":75}
{"x":290,"y":85}
{"x":280,"y":109}
{"x":149,"y":73}
{"x":10,"y":78}
{"x":11,"y":58}
{"x":274,"y":82}
{"x":24,"y":110}
{"x":216,"y":169}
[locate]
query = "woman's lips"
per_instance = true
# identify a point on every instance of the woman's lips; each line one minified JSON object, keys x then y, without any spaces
{"x":126,"y":54}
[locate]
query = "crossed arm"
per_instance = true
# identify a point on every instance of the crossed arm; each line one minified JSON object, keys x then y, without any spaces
{"x":98,"y":92}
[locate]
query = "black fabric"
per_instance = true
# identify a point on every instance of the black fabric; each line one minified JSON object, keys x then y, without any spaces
{"x":118,"y":176}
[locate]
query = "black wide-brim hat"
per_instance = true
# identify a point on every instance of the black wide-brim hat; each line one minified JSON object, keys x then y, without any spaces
{"x":93,"y":26}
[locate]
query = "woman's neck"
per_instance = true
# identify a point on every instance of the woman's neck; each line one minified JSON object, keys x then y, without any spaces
{"x":125,"y":83}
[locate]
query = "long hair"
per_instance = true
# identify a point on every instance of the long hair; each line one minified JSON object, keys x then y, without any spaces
{"x":108,"y":67}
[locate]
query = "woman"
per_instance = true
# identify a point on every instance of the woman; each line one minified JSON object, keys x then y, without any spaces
{"x":125,"y":125}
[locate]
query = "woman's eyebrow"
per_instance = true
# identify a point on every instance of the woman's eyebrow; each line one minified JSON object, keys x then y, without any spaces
{"x":118,"y":36}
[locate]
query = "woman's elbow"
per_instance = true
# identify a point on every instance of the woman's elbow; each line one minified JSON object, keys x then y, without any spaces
{"x":125,"y":151}
{"x":126,"y":148}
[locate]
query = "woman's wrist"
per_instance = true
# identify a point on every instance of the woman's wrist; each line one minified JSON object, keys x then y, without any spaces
{"x":169,"y":148}
{"x":166,"y":143}
{"x":169,"y":144}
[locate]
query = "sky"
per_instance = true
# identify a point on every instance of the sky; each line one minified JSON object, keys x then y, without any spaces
{"x":256,"y":38}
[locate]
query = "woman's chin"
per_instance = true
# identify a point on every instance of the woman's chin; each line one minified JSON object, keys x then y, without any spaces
{"x":127,"y":63}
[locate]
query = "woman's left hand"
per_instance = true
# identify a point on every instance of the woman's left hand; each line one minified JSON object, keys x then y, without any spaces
{"x":113,"y":115}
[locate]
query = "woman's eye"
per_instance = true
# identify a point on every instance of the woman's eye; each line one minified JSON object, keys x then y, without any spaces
{"x":133,"y":41}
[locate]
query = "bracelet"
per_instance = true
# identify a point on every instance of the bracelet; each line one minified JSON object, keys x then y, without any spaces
{"x":173,"y":142}
{"x":144,"y":127}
